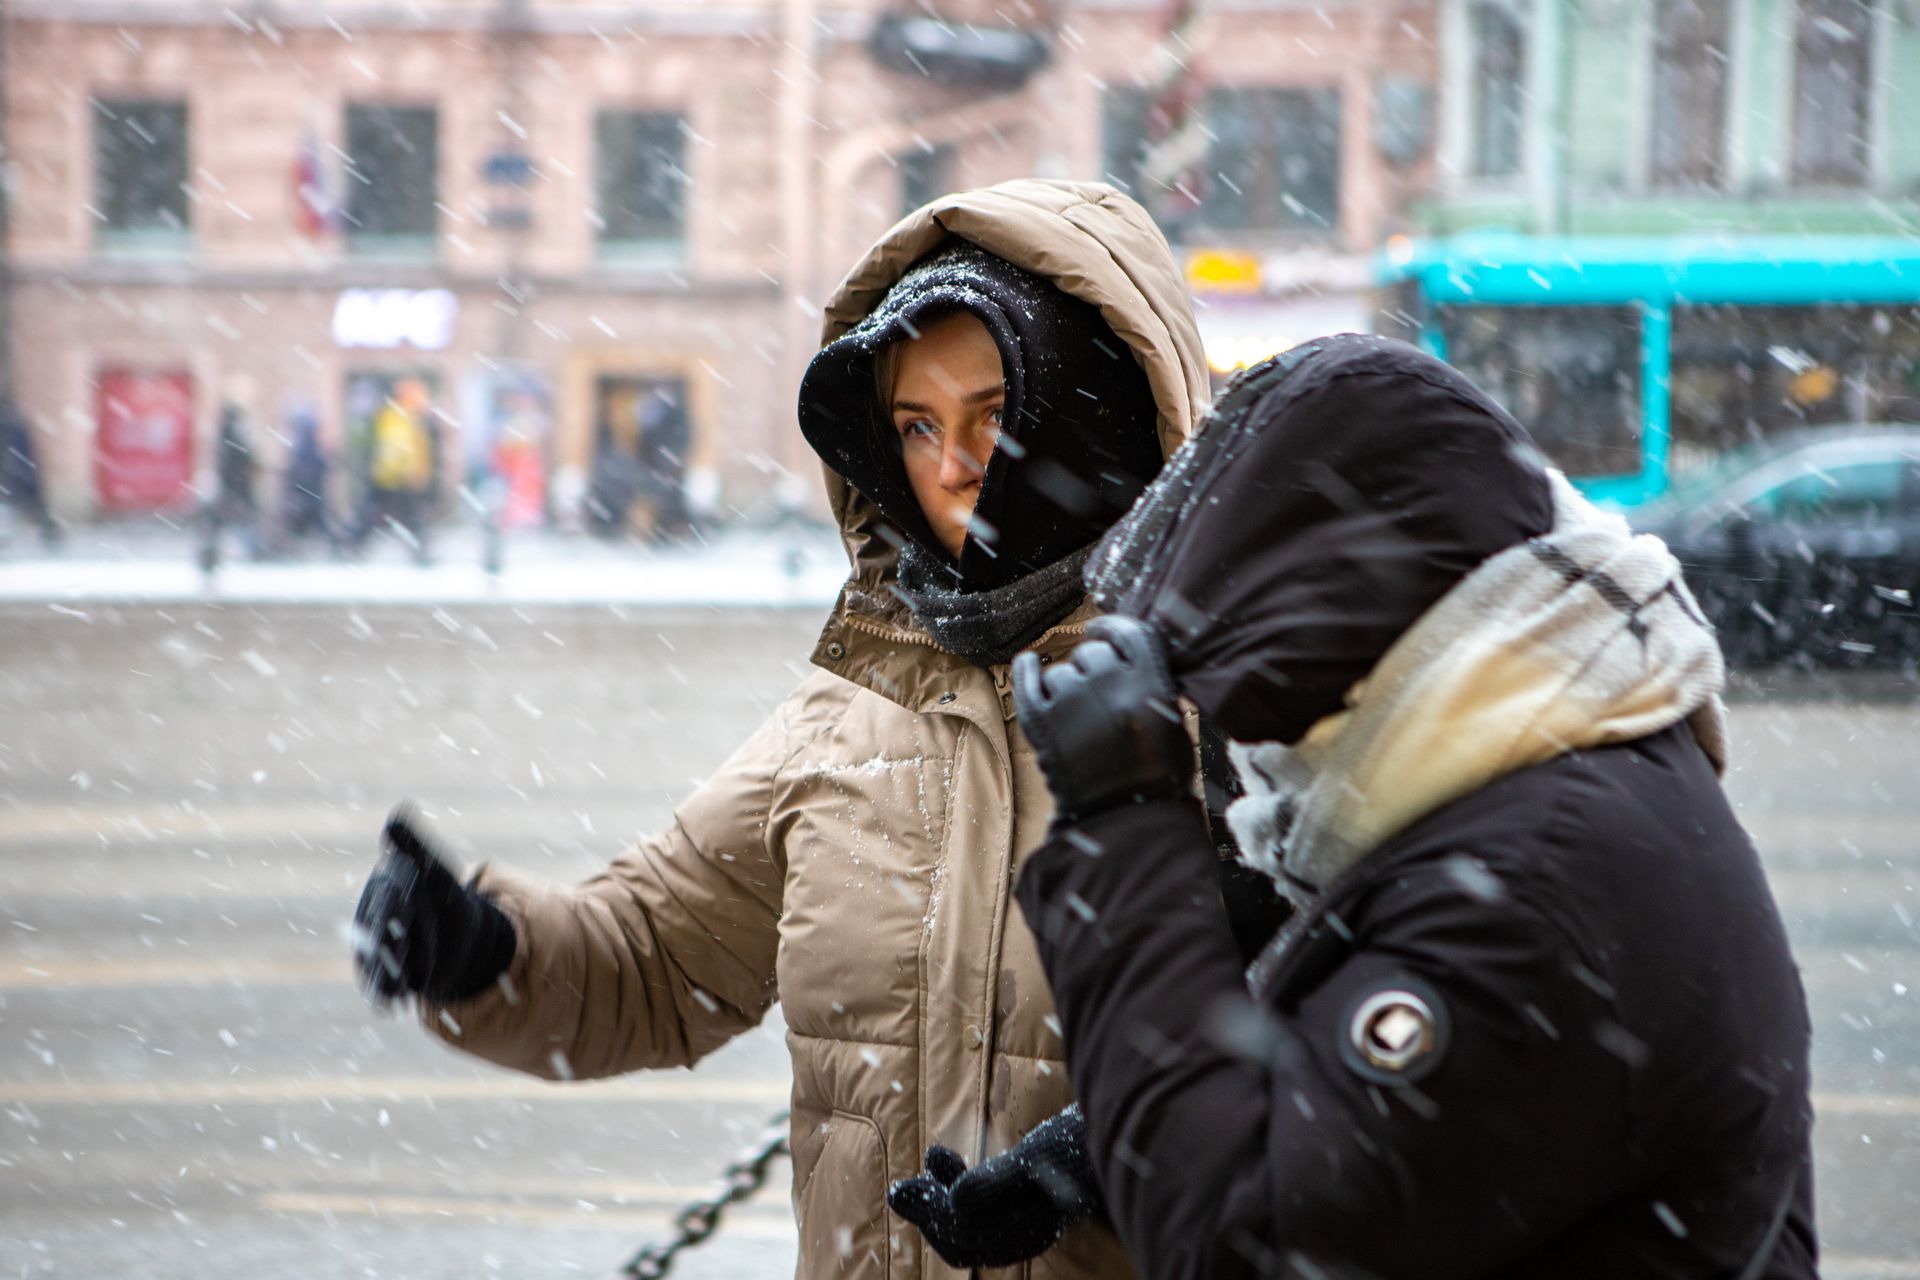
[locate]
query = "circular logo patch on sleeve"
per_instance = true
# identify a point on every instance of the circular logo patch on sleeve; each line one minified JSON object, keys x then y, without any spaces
{"x":1395,"y":1032}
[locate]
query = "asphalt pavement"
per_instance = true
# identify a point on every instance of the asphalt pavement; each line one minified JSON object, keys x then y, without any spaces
{"x":190,"y":1085}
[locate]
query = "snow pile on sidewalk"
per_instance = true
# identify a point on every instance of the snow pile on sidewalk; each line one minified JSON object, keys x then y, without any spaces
{"x":791,"y":565}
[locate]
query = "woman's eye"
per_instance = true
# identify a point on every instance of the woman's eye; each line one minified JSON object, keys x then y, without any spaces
{"x":994,"y":417}
{"x":918,"y":427}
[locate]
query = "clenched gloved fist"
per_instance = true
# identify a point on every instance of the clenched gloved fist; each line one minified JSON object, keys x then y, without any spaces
{"x":419,"y":931}
{"x":1009,"y":1208}
{"x":1106,"y":724}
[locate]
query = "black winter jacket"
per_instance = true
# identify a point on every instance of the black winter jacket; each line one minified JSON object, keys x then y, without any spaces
{"x":1622,"y":1085}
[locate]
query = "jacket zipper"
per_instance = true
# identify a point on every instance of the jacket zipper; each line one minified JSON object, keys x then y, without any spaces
{"x":1002,"y":680}
{"x":900,"y":635}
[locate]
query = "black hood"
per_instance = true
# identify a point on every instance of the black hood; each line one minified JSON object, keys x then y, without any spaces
{"x":1333,"y":495}
{"x":1079,"y":441}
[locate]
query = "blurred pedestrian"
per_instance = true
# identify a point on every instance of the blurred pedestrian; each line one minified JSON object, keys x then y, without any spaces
{"x":21,"y":494}
{"x":517,"y":460}
{"x":305,"y":509}
{"x":1001,"y":376}
{"x":614,"y":483}
{"x":402,"y":466}
{"x":666,"y":434}
{"x":235,"y":501}
{"x":1535,"y":1015}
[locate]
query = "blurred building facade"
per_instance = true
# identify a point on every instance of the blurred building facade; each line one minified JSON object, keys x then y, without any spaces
{"x":1661,"y":230}
{"x":575,"y":222}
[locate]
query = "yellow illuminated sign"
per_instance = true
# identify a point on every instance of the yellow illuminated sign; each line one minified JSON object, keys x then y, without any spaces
{"x":1223,"y":271}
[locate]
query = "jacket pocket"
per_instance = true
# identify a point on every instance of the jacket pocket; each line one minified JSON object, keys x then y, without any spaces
{"x":842,"y":1203}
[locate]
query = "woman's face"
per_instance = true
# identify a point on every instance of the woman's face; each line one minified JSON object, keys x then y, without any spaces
{"x":946,"y":399}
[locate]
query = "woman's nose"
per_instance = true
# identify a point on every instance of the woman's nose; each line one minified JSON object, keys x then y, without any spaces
{"x":959,"y":467}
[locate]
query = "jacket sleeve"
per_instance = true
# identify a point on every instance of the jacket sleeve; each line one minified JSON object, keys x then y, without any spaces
{"x":1233,"y":1140}
{"x":668,"y":953}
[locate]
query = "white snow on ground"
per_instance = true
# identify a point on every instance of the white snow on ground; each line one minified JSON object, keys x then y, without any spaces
{"x":793,"y":565}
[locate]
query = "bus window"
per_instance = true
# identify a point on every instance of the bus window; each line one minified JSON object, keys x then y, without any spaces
{"x":1744,"y":374}
{"x":1571,"y":375}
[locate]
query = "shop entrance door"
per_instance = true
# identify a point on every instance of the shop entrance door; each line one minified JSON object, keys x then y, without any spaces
{"x":642,"y":433}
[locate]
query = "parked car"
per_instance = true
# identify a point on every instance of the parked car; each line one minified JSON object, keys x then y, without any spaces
{"x":1805,"y":550}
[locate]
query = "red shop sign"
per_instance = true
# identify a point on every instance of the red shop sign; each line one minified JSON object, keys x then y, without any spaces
{"x":143,"y":441}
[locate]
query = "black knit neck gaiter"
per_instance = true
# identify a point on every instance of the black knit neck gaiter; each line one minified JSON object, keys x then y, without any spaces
{"x":989,"y":627}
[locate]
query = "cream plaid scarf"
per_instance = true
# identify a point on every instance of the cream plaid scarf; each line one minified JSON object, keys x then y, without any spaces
{"x":1584,"y":636}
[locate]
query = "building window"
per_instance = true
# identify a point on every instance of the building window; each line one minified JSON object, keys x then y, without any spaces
{"x":1833,"y":75}
{"x":1268,"y":160}
{"x":140,"y":172}
{"x":1129,"y":124}
{"x":1275,"y":160}
{"x":1497,"y":89}
{"x":640,"y":179}
{"x":926,"y":173}
{"x":1688,"y":120}
{"x":393,"y":175}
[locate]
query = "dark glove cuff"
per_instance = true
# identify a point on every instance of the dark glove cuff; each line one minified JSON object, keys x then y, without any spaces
{"x":1062,"y":1164}
{"x":489,"y":943}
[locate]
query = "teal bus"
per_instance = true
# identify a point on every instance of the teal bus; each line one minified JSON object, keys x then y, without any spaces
{"x":1637,"y":359}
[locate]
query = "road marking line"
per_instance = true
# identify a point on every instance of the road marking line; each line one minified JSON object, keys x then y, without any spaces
{"x":636,"y":1194}
{"x":153,"y":822}
{"x":190,"y":973}
{"x":1841,"y":1268}
{"x":756,"y":1222}
{"x":638,"y":1087}
{"x":1905,"y":1106}
{"x":750,"y":1225}
{"x":1787,"y":885}
{"x":174,"y":973}
{"x":259,"y":1169}
{"x":635,"y":1088}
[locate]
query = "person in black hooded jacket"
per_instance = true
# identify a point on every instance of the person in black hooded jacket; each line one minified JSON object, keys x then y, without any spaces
{"x":1535,"y":1013}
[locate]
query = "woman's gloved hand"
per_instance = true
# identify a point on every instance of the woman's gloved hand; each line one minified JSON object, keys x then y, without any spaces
{"x":1009,"y":1208}
{"x":419,"y":931}
{"x":1106,"y":724}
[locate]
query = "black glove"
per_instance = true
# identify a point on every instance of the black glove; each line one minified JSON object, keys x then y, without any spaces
{"x":1106,"y":724}
{"x":419,"y":931}
{"x":1014,"y":1206}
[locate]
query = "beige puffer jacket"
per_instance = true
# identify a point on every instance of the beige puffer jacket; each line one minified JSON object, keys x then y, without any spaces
{"x":853,"y":859}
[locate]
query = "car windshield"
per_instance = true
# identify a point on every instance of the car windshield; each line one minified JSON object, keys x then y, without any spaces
{"x":1699,"y":487}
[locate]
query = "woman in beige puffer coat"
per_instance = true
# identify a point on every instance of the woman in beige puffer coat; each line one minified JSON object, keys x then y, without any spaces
{"x":853,"y":858}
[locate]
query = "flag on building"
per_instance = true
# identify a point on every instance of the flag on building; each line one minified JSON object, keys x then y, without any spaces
{"x":315,"y":203}
{"x":1174,"y":169}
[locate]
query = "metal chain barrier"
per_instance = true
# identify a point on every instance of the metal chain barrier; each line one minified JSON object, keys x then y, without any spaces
{"x":739,"y":1181}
